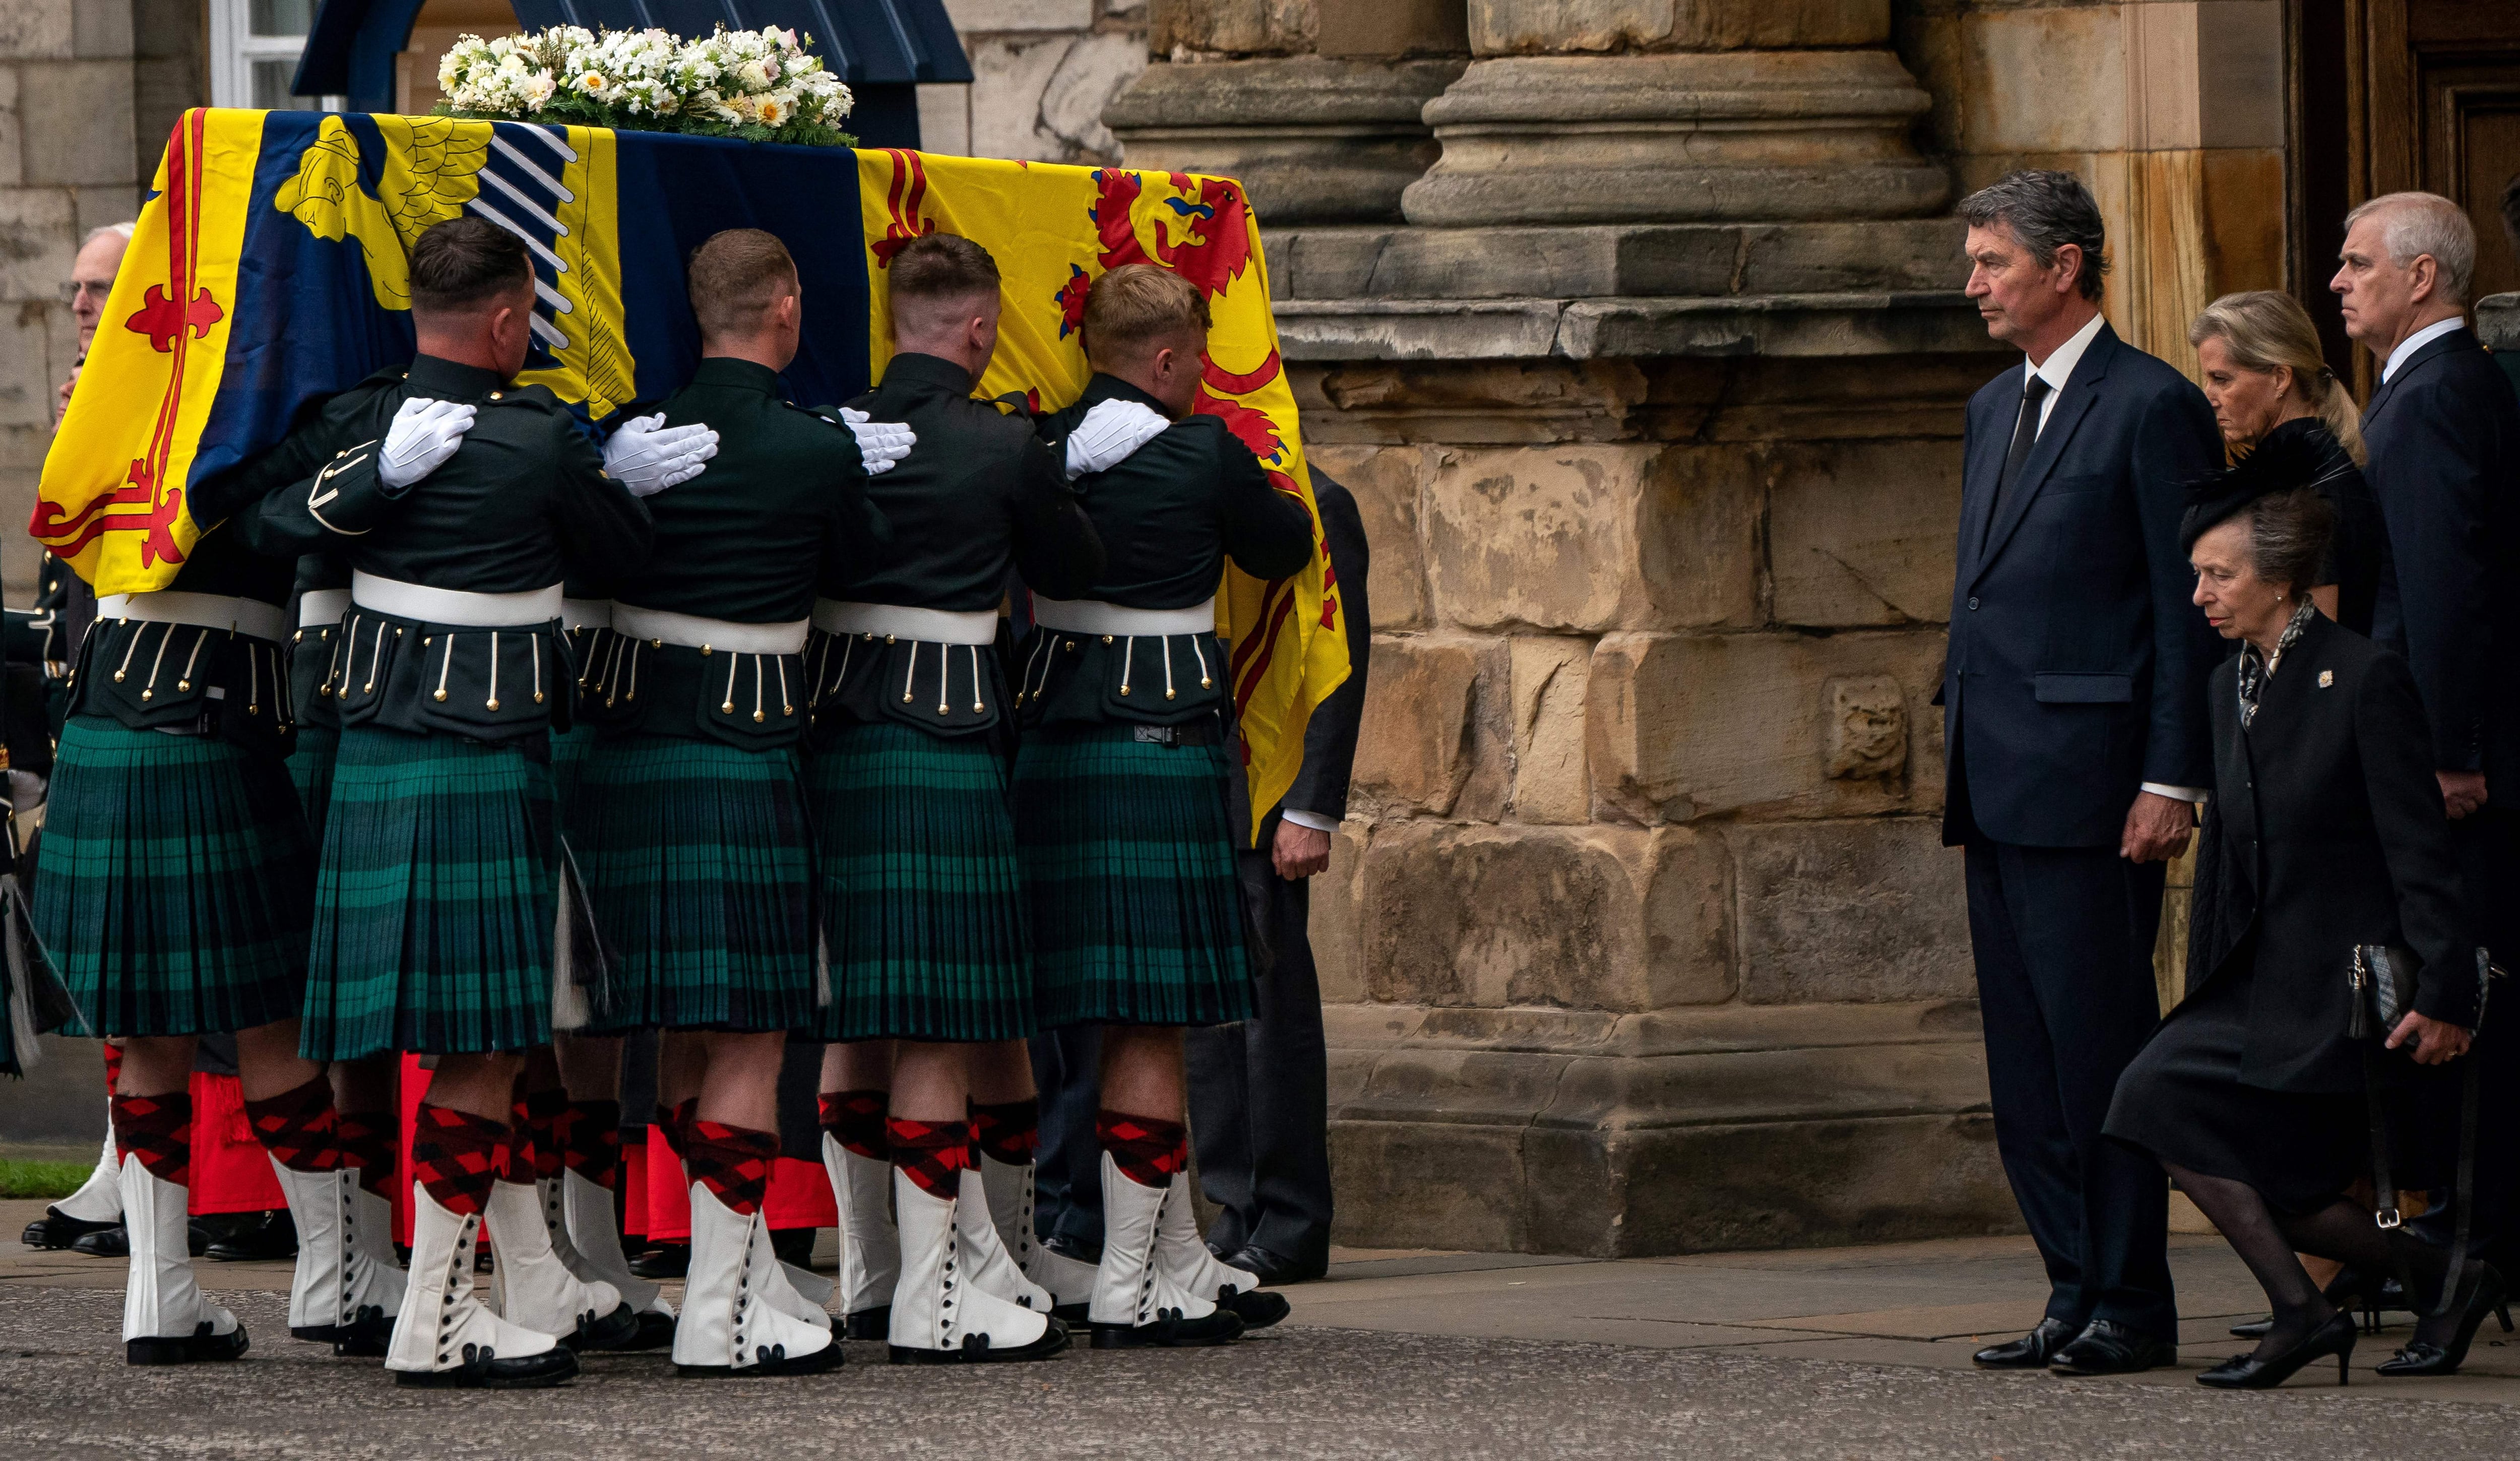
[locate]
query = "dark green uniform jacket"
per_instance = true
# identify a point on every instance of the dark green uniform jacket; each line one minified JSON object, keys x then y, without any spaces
{"x":981,"y":491}
{"x":1169,"y":517}
{"x":783,"y":504}
{"x":524,"y":495}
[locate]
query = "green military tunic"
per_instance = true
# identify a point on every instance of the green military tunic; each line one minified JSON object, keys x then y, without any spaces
{"x":437,"y":895}
{"x":1123,"y":793}
{"x":690,"y":811}
{"x":923,"y":897}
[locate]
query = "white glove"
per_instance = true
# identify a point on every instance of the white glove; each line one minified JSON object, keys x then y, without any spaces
{"x":647,"y":456}
{"x":424,"y":435}
{"x":1108,"y":433}
{"x":880,"y":444}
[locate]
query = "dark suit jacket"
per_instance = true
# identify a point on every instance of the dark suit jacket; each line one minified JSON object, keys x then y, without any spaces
{"x":2077,"y":664}
{"x":2444,"y":435}
{"x":2326,"y":831}
{"x":1329,"y":740}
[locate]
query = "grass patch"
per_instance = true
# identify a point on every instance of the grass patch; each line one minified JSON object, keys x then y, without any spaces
{"x":45,"y":1179}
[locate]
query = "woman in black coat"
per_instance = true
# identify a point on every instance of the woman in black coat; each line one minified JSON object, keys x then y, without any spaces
{"x":2326,"y":832}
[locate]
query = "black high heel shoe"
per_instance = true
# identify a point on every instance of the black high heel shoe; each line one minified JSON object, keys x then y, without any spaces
{"x":2251,"y":1372}
{"x":2420,"y":1358}
{"x":2351,"y":1290}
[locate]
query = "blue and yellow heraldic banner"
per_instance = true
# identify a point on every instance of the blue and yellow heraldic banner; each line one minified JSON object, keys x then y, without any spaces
{"x":269,"y":271}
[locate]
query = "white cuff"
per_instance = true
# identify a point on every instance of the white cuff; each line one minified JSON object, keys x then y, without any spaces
{"x":1313,"y":819}
{"x":2178,"y":793}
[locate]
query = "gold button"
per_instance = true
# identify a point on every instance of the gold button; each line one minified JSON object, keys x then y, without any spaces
{"x":300,"y":638}
{"x":1106,"y":639}
{"x":148,"y":695}
{"x":117,"y":677}
{"x":1168,"y":695}
{"x":491,"y":704}
{"x":182,"y":685}
{"x":1124,"y":689}
{"x":494,"y":395}
{"x":889,"y":640}
{"x":538,"y":698}
{"x":426,"y":641}
{"x":441,"y":694}
{"x":704,"y":651}
{"x":727,"y":709}
{"x":756,"y":718}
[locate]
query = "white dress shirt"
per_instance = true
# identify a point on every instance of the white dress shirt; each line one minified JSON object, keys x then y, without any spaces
{"x":2058,"y":367}
{"x":1313,"y":819}
{"x":2056,"y":370}
{"x":2418,"y":340}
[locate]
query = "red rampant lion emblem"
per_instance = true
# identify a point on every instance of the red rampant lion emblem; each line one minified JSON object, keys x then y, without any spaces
{"x":1215,"y":246}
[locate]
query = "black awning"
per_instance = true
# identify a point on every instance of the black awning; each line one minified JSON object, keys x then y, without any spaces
{"x":868,"y":43}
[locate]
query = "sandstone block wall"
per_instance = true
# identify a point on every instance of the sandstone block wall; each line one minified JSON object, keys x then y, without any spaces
{"x":1641,"y":935}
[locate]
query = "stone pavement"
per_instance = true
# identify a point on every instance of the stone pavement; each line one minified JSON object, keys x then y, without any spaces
{"x":1821,"y":1353}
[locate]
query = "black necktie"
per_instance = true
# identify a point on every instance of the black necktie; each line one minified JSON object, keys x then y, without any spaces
{"x":2025,"y":435}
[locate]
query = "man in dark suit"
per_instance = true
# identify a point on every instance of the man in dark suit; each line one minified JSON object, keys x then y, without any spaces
{"x":2443,"y":429}
{"x":2076,"y":734}
{"x":1259,"y":1090}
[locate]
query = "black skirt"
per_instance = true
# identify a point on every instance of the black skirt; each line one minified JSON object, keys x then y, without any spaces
{"x":2181,"y":1099}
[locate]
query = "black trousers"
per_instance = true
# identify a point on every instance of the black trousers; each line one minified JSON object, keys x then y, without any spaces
{"x":1259,"y":1100}
{"x":2063,"y":940}
{"x":2489,"y":851}
{"x":1067,"y":1175}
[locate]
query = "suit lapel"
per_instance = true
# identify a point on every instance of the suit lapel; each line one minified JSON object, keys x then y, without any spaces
{"x":2082,"y":391}
{"x":1978,"y":476}
{"x":2433,"y":348}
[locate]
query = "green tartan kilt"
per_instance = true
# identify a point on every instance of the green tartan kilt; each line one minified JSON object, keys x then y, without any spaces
{"x":310,"y":769}
{"x":923,"y":898}
{"x":699,"y":872}
{"x":438,"y":900}
{"x":175,"y":883}
{"x":1128,"y":862}
{"x":570,"y":750}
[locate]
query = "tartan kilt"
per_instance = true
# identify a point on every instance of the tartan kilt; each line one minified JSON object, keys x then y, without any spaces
{"x":438,"y":900}
{"x":923,"y":897}
{"x":310,"y":768}
{"x":1128,"y":863}
{"x":176,"y":881}
{"x":699,"y":872}
{"x":570,"y":750}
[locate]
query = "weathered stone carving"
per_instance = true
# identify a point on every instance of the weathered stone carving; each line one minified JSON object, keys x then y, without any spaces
{"x":1867,"y":727}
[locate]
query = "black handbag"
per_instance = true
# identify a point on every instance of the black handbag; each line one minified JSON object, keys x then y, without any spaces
{"x":2382,"y":982}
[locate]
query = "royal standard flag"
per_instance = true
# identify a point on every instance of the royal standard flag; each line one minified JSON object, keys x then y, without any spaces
{"x":268,"y":271}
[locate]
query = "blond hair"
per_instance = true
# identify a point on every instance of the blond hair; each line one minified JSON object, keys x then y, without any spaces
{"x":1137,"y":307}
{"x":2265,"y":330}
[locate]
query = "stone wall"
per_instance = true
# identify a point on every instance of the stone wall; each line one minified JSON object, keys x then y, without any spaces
{"x":88,"y":91}
{"x":1042,"y":73}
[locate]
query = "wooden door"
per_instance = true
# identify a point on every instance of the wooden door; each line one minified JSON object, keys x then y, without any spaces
{"x":2390,"y":95}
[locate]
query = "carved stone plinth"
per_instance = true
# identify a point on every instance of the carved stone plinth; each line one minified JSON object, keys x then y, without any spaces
{"x":1716,"y":136}
{"x":1313,"y":140}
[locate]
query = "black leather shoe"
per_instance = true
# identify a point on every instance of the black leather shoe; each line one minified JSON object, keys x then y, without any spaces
{"x":2107,"y":1346}
{"x":1067,"y":1247}
{"x":655,"y":1331}
{"x":977,"y":1350}
{"x":1171,"y":1329}
{"x":793,"y":1245}
{"x":1274,"y":1272}
{"x":2253,"y":1372}
{"x":2031,"y":1352}
{"x":114,"y":1243}
{"x":55,"y":1231}
{"x":2445,"y":1359}
{"x":484,"y":1369}
{"x":187,"y":1349}
{"x":617,"y":1330}
{"x":866,"y":1324}
{"x":274,"y":1236}
{"x":664,"y":1261}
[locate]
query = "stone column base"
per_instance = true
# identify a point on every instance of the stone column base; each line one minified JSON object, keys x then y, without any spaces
{"x":1313,"y":140}
{"x":1544,"y":1131}
{"x":1716,"y":137}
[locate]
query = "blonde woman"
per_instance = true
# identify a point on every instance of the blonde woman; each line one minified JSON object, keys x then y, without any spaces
{"x":2263,"y":372}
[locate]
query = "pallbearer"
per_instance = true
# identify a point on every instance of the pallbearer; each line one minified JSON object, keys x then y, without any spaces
{"x":923,"y":897}
{"x":1123,"y":799}
{"x":698,"y":862}
{"x":438,"y":895}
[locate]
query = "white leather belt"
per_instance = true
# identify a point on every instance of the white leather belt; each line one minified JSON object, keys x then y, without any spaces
{"x":696,"y":633}
{"x":322,"y":606}
{"x":896,"y":621}
{"x":263,"y":620}
{"x":1092,"y":616}
{"x":389,"y":596}
{"x":586,"y":613}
